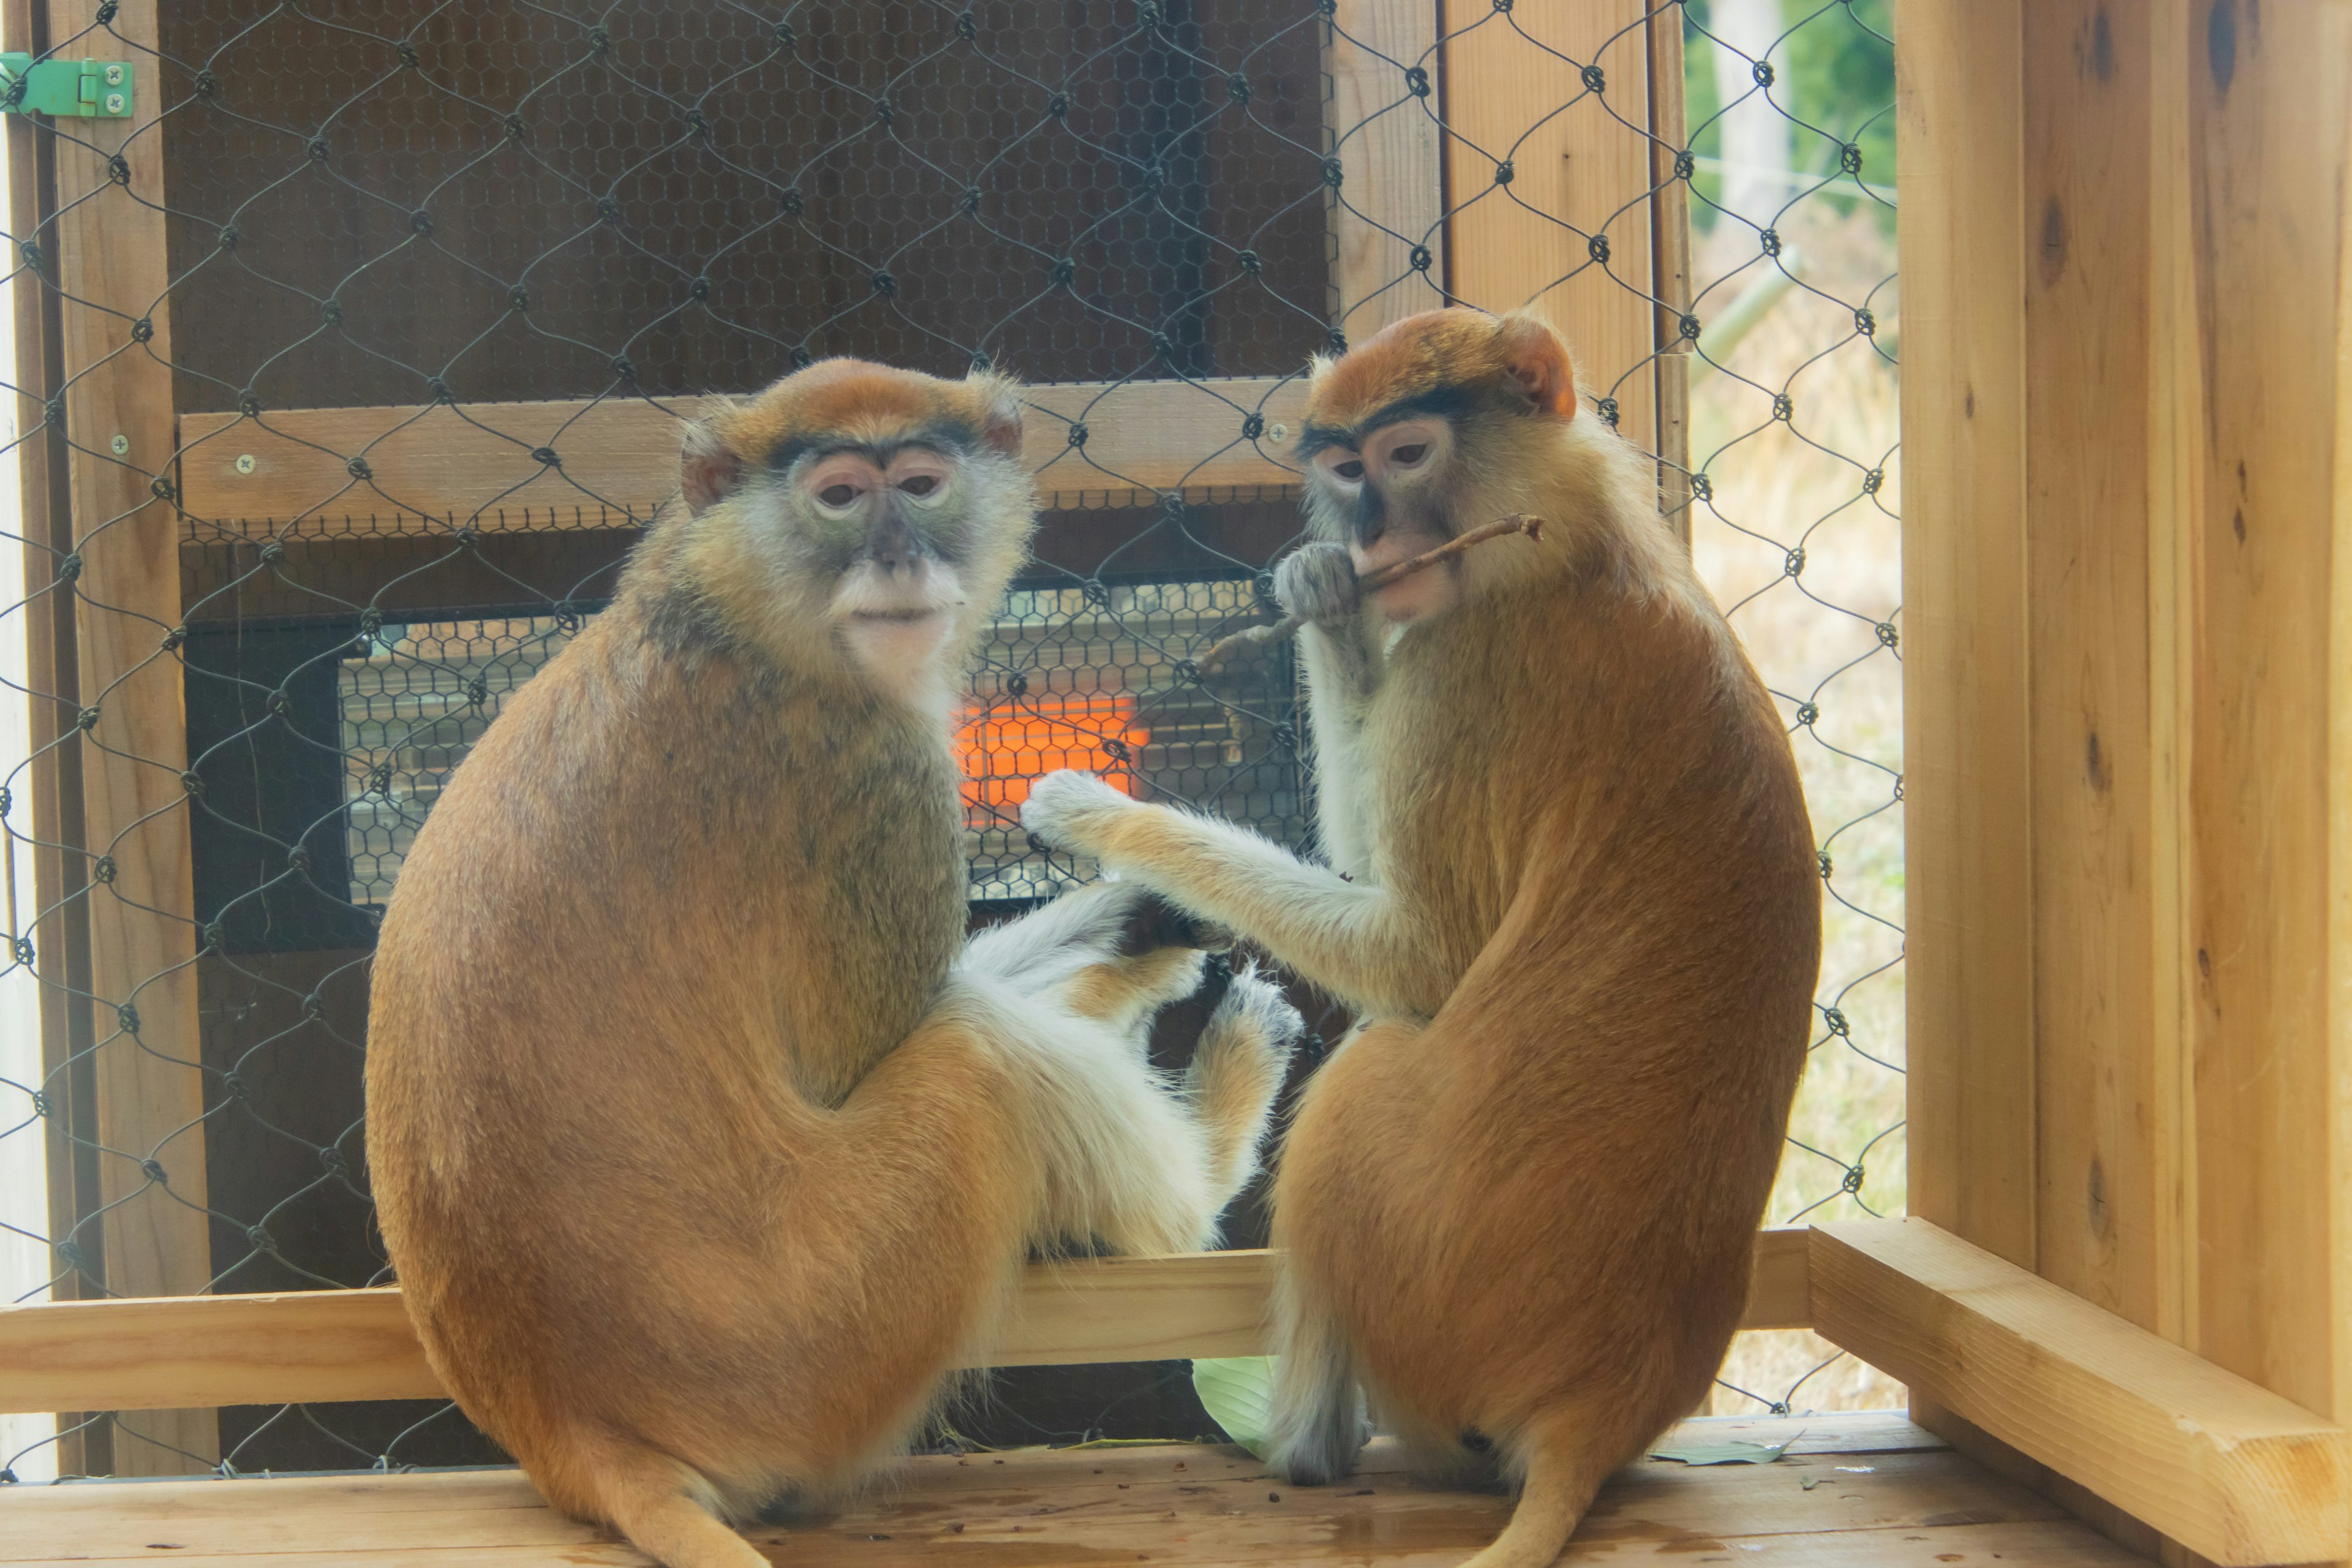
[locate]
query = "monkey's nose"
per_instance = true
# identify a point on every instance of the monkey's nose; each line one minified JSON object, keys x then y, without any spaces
{"x":893,"y":547}
{"x":1372,"y":518}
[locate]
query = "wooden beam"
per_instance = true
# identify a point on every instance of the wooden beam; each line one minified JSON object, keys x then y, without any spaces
{"x":299,"y":472}
{"x":2268,"y":610}
{"x":1967,"y":719}
{"x":328,"y":1345}
{"x":114,"y":279}
{"x":2086,"y":453}
{"x":1384,"y":133}
{"x":1669,"y":261}
{"x":2226,"y":1468}
{"x":1548,"y":184}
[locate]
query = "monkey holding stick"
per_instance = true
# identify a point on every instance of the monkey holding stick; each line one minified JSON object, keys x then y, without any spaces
{"x":1570,"y":895}
{"x":702,"y":1142}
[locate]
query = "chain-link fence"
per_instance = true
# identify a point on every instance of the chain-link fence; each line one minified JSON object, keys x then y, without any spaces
{"x":359,"y":438}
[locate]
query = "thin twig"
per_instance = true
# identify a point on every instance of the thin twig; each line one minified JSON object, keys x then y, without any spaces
{"x":1373,"y":582}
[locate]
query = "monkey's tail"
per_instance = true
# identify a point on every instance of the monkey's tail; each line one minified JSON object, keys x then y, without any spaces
{"x":1562,"y":1476}
{"x":667,"y":1510}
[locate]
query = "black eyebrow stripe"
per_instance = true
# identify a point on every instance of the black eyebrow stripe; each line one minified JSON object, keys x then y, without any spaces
{"x":1439,"y":402}
{"x":949,"y":435}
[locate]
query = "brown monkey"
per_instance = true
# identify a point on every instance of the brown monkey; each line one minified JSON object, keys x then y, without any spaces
{"x":701,"y":1142}
{"x":1579,"y":915}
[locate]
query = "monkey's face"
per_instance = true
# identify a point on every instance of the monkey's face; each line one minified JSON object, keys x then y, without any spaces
{"x":1387,"y":488}
{"x":1433,"y":426}
{"x":861,"y":515}
{"x":890,"y":528}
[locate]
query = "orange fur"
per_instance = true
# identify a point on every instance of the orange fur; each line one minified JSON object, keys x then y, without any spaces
{"x":701,"y":1143}
{"x":1582,"y":928}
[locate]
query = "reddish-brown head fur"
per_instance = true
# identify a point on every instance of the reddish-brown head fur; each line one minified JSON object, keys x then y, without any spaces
{"x":1441,"y":350}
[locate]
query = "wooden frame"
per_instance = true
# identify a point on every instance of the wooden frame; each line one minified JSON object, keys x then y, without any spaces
{"x":358,"y":1344}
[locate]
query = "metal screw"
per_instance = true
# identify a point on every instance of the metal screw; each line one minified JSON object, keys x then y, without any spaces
{"x":114,"y":103}
{"x":1277,"y":433}
{"x":122,"y":445}
{"x":245,"y":462}
{"x":114,"y":75}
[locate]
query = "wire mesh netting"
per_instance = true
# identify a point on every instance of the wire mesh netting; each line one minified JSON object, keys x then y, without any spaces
{"x":437,"y":287}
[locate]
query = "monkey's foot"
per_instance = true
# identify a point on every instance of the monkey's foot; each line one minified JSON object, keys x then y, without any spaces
{"x":1072,"y":811}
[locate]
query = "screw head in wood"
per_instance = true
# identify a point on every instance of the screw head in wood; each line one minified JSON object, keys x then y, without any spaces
{"x":122,"y":445}
{"x":245,"y":462}
{"x":1278,"y":432}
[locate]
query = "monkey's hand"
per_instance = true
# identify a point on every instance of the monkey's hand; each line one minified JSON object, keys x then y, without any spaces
{"x":1073,"y":812}
{"x":1317,"y":583}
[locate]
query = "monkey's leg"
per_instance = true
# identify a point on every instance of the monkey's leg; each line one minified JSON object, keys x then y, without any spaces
{"x":1047,"y":946}
{"x":1352,"y":939}
{"x":1124,"y":994}
{"x":666,"y":1509}
{"x":1318,"y":1425}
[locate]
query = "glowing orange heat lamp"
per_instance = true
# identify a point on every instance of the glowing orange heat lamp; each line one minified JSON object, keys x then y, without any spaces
{"x":1004,"y":748}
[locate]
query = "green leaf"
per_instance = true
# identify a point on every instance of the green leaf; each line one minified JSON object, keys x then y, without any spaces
{"x":1722,"y":1453}
{"x":1238,"y":1394}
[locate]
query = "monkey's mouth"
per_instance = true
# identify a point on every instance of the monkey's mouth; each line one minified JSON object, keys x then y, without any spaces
{"x":901,"y":618}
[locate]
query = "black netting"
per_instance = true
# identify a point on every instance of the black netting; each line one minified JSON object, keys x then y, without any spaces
{"x":435,"y":212}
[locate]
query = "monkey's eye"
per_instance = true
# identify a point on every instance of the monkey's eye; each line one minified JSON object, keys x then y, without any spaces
{"x":1406,"y":456}
{"x":1351,"y":469}
{"x":837,"y":496}
{"x":921,"y":485}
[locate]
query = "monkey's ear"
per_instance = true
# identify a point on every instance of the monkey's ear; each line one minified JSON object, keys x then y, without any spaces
{"x":999,"y":402}
{"x":708,"y":468}
{"x":1536,"y":360}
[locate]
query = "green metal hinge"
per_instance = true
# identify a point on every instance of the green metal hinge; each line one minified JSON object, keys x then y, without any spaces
{"x":64,"y":89}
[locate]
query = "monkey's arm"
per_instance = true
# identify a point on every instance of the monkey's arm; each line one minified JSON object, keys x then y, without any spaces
{"x":1317,"y":583}
{"x":1354,"y":940}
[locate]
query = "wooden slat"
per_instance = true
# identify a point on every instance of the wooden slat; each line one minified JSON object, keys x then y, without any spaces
{"x":1967,"y":784}
{"x":1171,"y":1503}
{"x":1385,"y":137}
{"x":327,"y":1345}
{"x":113,"y":273}
{"x":474,"y":463}
{"x":2228,"y":1469}
{"x":47,"y":812}
{"x":1670,"y":263}
{"x":2086,"y":309}
{"x":2268,"y":93}
{"x":1579,"y":174}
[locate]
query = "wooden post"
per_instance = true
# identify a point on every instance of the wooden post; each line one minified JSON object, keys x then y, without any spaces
{"x":1383,"y":130}
{"x":113,"y":275}
{"x":58,"y":923}
{"x":1547,"y":194}
{"x":1967,"y":786}
{"x":1670,"y":262}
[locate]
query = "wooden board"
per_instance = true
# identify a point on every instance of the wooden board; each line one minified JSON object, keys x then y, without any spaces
{"x":1966,"y":721}
{"x":478,"y":465}
{"x":2269,"y":607}
{"x":2086,"y":303}
{"x":1515,"y":93}
{"x":112,"y":273}
{"x":1385,"y":137}
{"x":1670,"y":262}
{"x":1896,"y":1499}
{"x":327,"y":1345}
{"x":2226,"y":1468}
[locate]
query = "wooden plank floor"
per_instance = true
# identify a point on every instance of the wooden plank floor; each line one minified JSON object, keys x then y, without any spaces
{"x":1854,"y":1491}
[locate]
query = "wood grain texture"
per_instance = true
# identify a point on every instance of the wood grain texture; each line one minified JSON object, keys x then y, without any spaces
{"x":2086,"y":305}
{"x":1966,"y":723}
{"x":1579,"y":179}
{"x":326,"y":1345}
{"x":1385,"y":136}
{"x":2269,"y":92}
{"x":482,"y":465}
{"x":2216,"y":1463}
{"x":1670,"y":262}
{"x":112,"y":272}
{"x":1896,"y":1500}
